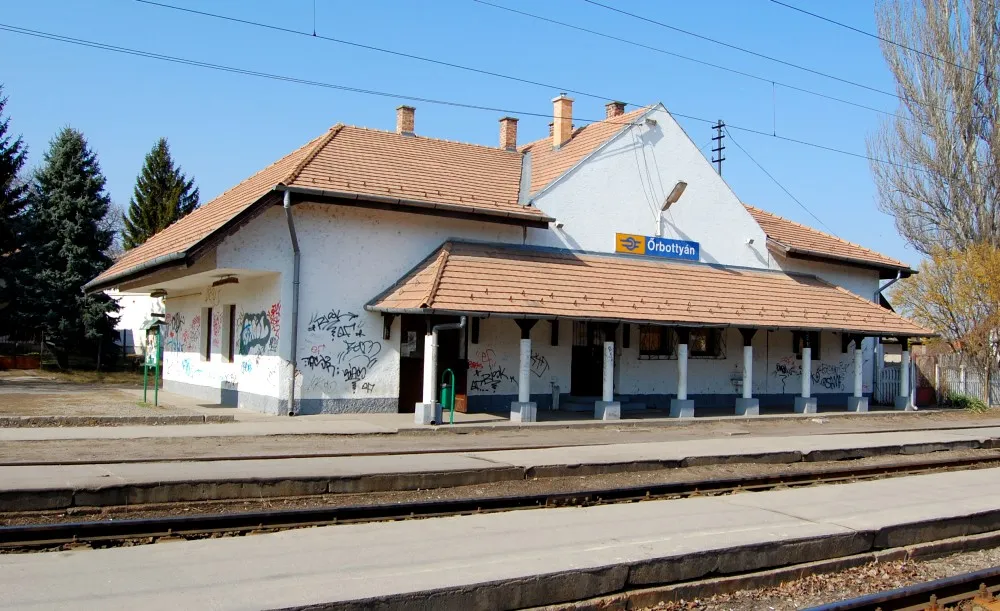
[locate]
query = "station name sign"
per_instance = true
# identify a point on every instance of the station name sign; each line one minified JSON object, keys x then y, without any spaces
{"x":649,"y":246}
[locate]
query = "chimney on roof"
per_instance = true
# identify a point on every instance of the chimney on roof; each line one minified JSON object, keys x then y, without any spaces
{"x":508,"y":133}
{"x":404,"y":120}
{"x":614,"y":109}
{"x":562,"y":117}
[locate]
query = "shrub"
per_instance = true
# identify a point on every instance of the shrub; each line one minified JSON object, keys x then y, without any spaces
{"x":966,"y":402}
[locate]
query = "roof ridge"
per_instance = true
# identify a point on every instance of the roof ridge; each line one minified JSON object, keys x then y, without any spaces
{"x":432,"y":139}
{"x":829,"y":235}
{"x":320,"y":142}
{"x":577,"y":131}
{"x":442,"y":257}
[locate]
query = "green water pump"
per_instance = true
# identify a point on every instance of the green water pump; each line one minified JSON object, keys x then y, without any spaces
{"x":448,"y":393}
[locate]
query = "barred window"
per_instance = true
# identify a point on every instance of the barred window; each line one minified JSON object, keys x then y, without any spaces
{"x":705,"y":343}
{"x":654,"y":342}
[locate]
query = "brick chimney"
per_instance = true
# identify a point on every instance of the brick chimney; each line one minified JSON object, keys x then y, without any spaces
{"x":562,"y":117}
{"x":508,"y":133}
{"x":404,"y":120}
{"x":614,"y":109}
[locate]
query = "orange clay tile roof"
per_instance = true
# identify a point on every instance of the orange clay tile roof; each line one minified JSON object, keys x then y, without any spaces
{"x":548,"y":164}
{"x":353,"y":161}
{"x":794,"y":237}
{"x":201,"y":223}
{"x":514,"y":280}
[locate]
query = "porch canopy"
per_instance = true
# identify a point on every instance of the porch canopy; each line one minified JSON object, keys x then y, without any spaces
{"x":487,"y":279}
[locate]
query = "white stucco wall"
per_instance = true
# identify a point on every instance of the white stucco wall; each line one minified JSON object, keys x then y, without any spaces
{"x":349,"y":255}
{"x":622,"y":187}
{"x":251,"y":381}
{"x":494,"y":361}
{"x":134,"y":310}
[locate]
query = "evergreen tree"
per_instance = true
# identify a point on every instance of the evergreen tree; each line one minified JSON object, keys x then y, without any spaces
{"x":69,"y":240}
{"x":162,"y":195}
{"x":13,"y":191}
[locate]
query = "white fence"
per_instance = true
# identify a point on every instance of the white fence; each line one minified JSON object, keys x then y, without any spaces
{"x":972,"y":383}
{"x":887,"y":388}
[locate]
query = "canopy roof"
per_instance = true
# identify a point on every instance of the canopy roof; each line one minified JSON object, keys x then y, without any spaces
{"x":487,"y":279}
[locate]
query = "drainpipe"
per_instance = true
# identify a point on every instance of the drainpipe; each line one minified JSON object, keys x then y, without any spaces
{"x":876,"y":366}
{"x":430,"y":367}
{"x":296,"y":255}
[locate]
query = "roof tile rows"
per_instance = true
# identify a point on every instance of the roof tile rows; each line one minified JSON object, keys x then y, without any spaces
{"x":533,"y":281}
{"x":549,"y":163}
{"x":800,"y":238}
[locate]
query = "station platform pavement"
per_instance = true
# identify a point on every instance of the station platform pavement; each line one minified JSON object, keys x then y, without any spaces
{"x":509,"y":560}
{"x":47,"y":486}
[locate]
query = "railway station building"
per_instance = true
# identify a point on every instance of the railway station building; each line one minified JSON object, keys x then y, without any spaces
{"x":602,"y":268}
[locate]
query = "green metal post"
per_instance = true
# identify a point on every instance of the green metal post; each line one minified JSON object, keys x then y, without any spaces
{"x":145,"y":377}
{"x":448,"y":393}
{"x":156,"y":375}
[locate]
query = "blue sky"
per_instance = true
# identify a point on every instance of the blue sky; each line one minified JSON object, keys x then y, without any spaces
{"x":223,"y":127}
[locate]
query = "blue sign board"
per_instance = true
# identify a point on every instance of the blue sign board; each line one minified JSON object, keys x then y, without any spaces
{"x":649,"y":246}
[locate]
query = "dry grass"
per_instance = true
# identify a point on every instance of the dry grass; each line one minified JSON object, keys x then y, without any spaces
{"x":118,"y":378}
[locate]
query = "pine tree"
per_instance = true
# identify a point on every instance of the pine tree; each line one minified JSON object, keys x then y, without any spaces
{"x":68,"y":240}
{"x":162,"y":195}
{"x":13,"y":190}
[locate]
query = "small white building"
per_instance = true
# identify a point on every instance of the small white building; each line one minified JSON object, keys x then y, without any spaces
{"x":135,"y":314}
{"x":607,"y":267}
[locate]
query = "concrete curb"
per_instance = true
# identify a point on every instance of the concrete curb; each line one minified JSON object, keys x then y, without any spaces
{"x":650,"y":597}
{"x":632,"y":585}
{"x":74,"y":421}
{"x":246,"y":487}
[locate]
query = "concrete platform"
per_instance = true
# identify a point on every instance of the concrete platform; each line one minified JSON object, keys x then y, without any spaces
{"x":509,"y":560}
{"x":60,"y":486}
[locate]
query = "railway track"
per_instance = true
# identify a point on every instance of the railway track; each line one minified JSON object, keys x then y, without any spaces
{"x":110,"y":533}
{"x":978,"y":587}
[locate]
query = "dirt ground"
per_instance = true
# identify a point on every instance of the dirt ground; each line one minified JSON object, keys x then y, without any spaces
{"x":859,"y":581}
{"x":75,"y":394}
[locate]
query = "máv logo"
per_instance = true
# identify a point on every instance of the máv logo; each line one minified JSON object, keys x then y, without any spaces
{"x":630,"y":243}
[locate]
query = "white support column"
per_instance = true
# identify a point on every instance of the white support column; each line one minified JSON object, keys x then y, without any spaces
{"x":682,"y":407}
{"x":806,"y":403}
{"x":524,"y":410}
{"x":903,"y":401}
{"x":607,"y":408}
{"x":858,"y":403}
{"x":429,"y":410}
{"x":747,"y":405}
{"x":524,"y":373}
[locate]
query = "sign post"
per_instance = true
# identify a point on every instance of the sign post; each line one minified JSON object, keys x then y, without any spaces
{"x":152,"y":360}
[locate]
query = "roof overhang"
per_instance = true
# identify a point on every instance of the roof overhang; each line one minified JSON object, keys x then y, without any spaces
{"x":885,"y":271}
{"x":530,"y":282}
{"x":401,"y":204}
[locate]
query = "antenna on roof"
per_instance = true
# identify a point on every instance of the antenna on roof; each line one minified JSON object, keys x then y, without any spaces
{"x":719,"y":135}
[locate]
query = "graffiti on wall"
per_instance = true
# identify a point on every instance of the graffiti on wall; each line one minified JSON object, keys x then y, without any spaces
{"x":339,"y":353}
{"x":259,"y":331}
{"x":487,"y":374}
{"x":216,"y":329}
{"x":175,"y":326}
{"x":539,"y":364}
{"x":825,"y":375}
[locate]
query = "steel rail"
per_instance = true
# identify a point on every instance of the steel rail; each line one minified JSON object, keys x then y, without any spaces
{"x":108,"y":531}
{"x":917,"y":596}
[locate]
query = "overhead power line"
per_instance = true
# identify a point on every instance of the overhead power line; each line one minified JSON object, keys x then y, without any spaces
{"x":787,"y":192}
{"x":871,"y":35}
{"x":399,"y":96}
{"x":688,"y":58}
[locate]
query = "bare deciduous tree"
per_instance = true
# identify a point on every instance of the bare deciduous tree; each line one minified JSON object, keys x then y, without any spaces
{"x":942,"y":184}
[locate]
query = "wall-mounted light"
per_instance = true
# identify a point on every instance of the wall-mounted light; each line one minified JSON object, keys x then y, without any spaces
{"x":226,"y":280}
{"x":675,"y":194}
{"x":158,"y":293}
{"x":749,"y":241}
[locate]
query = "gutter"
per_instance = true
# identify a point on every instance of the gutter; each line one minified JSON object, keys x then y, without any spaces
{"x":99,"y":283}
{"x":414,"y":203}
{"x":296,"y":257}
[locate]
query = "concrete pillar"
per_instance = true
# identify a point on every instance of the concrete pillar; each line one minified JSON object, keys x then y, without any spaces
{"x":806,"y":403}
{"x":524,"y":410}
{"x":682,"y":407}
{"x":961,"y":380}
{"x":747,"y":405}
{"x":607,"y":408}
{"x":937,"y":383}
{"x":903,"y":401}
{"x":858,"y":403}
{"x":524,"y":373}
{"x":429,"y":410}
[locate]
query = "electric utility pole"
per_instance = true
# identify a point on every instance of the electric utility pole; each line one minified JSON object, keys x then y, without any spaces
{"x":717,"y":157}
